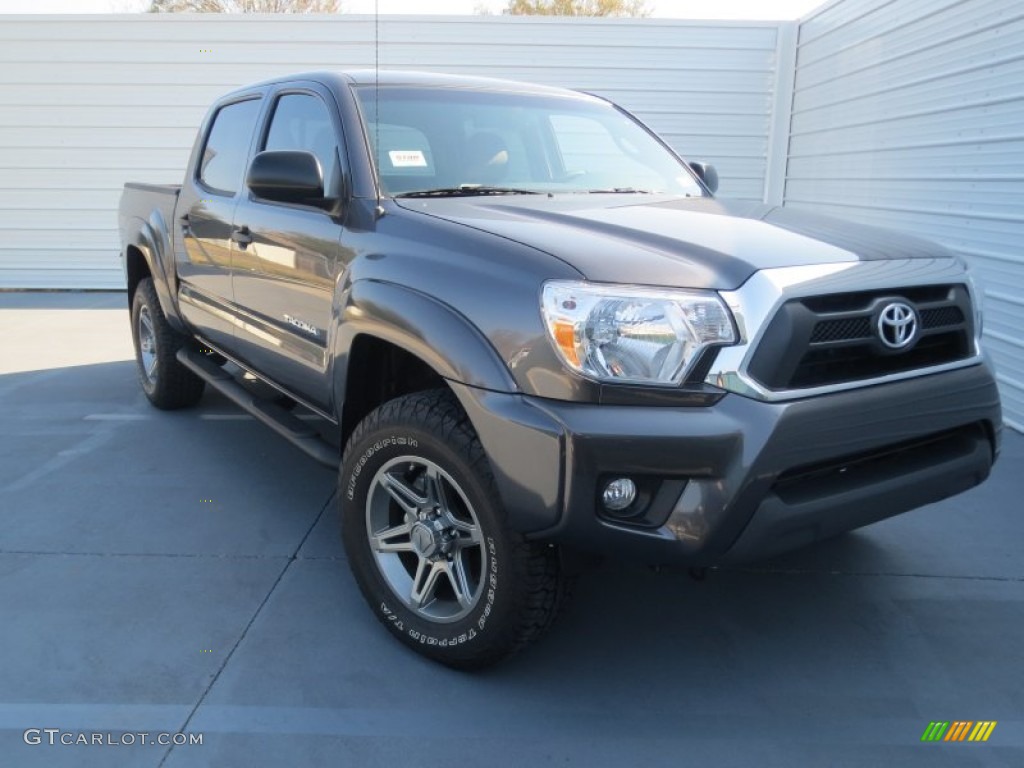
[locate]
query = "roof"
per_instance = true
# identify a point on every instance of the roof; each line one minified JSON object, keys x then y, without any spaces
{"x":386,"y":77}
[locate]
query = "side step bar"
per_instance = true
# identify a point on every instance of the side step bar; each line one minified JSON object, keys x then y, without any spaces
{"x":297,"y":432}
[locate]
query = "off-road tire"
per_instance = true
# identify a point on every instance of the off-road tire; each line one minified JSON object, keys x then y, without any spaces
{"x":524,"y":584}
{"x":167,"y":383}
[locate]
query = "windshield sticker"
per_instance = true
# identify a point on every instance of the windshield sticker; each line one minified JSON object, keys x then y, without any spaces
{"x":409,"y":158}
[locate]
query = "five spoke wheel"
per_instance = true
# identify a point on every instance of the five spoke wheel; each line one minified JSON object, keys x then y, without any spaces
{"x":425,"y":538}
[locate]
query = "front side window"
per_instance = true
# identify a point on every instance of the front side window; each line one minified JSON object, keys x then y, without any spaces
{"x":442,"y":138}
{"x":301,"y":122}
{"x":227,"y":146}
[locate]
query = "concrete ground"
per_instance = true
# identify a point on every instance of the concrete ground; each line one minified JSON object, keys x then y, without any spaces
{"x":181,"y":572}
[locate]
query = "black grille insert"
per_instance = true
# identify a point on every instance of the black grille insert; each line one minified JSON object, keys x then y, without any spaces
{"x":861,"y":300}
{"x":840,"y":330}
{"x":940,"y":317}
{"x":814,"y":481}
{"x":822,"y":340}
{"x":820,"y":367}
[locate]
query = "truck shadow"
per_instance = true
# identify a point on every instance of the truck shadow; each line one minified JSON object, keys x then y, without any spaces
{"x":847,"y":628}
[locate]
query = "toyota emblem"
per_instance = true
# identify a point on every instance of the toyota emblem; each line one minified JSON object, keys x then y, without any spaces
{"x":897,"y":325}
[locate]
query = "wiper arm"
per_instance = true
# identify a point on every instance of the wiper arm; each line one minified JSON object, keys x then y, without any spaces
{"x":621,"y":191}
{"x":467,"y":190}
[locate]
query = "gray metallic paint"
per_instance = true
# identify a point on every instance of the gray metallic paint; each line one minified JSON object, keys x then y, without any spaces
{"x":420,"y":324}
{"x":668,"y":241}
{"x":145,"y":210}
{"x":456,"y":283}
{"x":732,"y":453}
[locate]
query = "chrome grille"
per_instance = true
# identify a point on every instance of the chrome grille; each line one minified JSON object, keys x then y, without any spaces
{"x":833,"y":339}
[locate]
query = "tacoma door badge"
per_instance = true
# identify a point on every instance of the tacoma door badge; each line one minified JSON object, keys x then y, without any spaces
{"x":303,"y":325}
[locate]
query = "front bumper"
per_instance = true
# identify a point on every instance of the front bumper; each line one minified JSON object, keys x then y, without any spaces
{"x":742,"y":479}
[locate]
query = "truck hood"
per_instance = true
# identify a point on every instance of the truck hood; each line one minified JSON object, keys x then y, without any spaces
{"x":672,"y":241}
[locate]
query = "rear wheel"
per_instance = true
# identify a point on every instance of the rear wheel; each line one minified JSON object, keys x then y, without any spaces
{"x":428,"y":542}
{"x":166,"y":382}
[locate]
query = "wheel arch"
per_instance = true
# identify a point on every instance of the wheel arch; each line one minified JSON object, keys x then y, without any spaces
{"x":392,"y":338}
{"x":146,"y":255}
{"x":380,"y":370}
{"x":136,"y":269}
{"x":396,"y":341}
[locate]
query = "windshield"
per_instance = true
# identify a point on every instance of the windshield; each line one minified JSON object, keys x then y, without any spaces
{"x":468,"y":141}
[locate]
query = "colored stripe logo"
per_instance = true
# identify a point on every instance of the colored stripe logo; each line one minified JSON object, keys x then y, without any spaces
{"x":958,"y":730}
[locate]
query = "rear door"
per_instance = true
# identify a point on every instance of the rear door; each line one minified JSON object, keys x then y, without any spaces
{"x":284,"y":279}
{"x":205,"y":211}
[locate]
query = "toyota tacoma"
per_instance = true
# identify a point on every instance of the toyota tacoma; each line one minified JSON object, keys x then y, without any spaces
{"x":536,"y":332}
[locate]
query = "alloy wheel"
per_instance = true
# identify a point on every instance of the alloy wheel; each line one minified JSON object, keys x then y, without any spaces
{"x":426,"y":539}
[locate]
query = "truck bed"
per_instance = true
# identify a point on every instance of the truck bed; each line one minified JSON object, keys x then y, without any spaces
{"x":172,"y":189}
{"x":139,"y":201}
{"x":145,"y":218}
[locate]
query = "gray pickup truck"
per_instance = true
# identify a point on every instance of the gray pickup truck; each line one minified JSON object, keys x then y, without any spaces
{"x":534,"y":332}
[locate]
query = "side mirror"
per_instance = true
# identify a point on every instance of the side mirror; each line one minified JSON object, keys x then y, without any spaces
{"x":287,"y":176}
{"x":707,"y":173}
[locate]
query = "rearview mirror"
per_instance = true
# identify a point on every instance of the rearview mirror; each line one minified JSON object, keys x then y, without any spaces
{"x":707,"y":173}
{"x":287,"y":176}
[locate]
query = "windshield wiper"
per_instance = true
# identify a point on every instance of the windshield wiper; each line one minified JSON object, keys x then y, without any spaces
{"x":467,"y":190}
{"x":621,"y":191}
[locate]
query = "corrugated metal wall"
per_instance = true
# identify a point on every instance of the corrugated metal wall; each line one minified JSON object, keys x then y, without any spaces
{"x":907,"y":113}
{"x":910,"y":114}
{"x":89,"y":102}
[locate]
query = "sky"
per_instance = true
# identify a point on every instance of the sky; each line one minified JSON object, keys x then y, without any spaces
{"x":688,"y":9}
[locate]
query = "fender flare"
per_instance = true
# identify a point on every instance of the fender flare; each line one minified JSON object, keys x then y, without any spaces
{"x":434,"y":332}
{"x":524,"y":444}
{"x":151,"y":240}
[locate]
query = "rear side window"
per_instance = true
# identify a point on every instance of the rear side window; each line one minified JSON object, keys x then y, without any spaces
{"x":302,"y":122}
{"x":227,"y":146}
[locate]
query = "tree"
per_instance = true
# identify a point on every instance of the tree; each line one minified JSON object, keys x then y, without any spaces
{"x":577,"y":8}
{"x":245,"y":6}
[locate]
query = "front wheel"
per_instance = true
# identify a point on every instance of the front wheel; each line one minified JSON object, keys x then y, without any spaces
{"x":427,"y":539}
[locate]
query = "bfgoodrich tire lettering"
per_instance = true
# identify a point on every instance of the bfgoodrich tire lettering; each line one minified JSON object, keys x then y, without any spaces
{"x":417,"y":497}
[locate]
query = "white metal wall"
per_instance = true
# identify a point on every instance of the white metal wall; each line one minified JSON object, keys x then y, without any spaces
{"x":89,"y":102}
{"x":910,"y":114}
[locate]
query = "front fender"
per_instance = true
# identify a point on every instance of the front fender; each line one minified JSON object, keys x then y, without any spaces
{"x":523,"y":444}
{"x":434,"y":332}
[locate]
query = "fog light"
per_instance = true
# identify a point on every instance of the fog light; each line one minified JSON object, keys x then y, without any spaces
{"x":619,"y":494}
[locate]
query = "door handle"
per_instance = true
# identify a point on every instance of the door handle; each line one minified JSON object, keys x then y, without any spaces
{"x":186,"y":226}
{"x":242,"y":236}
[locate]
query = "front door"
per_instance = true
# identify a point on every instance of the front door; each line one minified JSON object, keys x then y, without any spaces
{"x":284,"y":277}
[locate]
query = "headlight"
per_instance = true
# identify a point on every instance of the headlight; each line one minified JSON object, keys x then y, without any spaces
{"x":633,"y":335}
